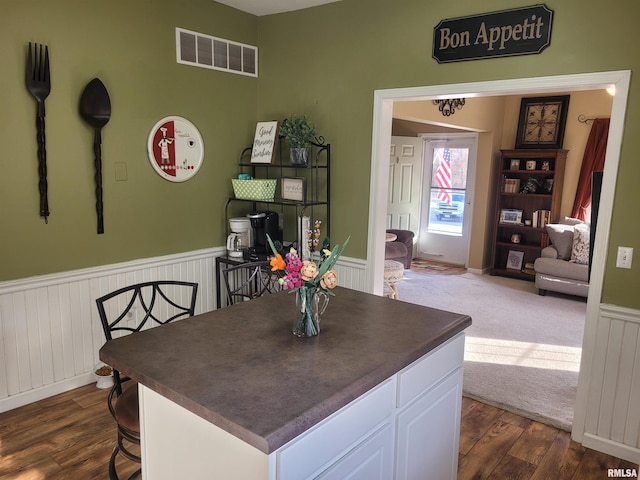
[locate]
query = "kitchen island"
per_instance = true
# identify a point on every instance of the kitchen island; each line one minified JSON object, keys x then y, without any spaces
{"x":233,"y":394}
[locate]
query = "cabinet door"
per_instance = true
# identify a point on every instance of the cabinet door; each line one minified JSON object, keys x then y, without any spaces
{"x":371,"y":460}
{"x":429,"y":431}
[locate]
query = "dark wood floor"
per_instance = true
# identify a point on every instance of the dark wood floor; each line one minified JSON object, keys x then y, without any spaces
{"x":70,"y":436}
{"x":497,"y":445}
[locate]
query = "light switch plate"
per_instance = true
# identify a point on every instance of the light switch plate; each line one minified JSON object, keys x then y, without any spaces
{"x":121,"y":171}
{"x":625,"y":257}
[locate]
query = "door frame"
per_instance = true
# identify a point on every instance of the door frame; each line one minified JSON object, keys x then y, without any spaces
{"x":381,"y":139}
{"x":472,"y":137}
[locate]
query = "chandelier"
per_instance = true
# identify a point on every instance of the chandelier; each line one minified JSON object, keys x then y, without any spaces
{"x":448,"y":106}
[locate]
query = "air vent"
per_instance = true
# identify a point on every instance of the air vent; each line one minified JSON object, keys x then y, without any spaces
{"x":205,"y":51}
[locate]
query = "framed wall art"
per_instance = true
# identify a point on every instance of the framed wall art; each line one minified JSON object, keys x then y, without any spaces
{"x":511,"y":216}
{"x":264,"y":142}
{"x":542,"y":122}
{"x":175,"y":149}
{"x":294,"y":188}
{"x":514,"y":260}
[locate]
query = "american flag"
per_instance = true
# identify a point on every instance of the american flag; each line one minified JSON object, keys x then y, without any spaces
{"x":443,"y":176}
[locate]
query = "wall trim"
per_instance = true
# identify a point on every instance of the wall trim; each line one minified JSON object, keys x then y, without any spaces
{"x":50,"y":332}
{"x":11,"y":286}
{"x":610,"y":447}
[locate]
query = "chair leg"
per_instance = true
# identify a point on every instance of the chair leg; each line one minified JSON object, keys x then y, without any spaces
{"x":112,"y":463}
{"x":119,"y":448}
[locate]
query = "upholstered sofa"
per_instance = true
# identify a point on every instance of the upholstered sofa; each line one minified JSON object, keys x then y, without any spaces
{"x":400,"y":249}
{"x":564,"y":264}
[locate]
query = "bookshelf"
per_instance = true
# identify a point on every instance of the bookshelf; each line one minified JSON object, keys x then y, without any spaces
{"x":528,"y":196}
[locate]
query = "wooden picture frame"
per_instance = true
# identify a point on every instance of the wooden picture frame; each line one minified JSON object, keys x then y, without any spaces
{"x":511,"y":216}
{"x":542,"y":122}
{"x":264,"y":142}
{"x":293,"y":188}
{"x":514,"y":260}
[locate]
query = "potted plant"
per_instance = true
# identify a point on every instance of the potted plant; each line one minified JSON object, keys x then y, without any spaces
{"x":299,"y":132}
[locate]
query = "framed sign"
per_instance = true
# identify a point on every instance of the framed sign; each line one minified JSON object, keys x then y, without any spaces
{"x":175,"y":149}
{"x":542,"y":122}
{"x":511,"y":216}
{"x":514,"y":260}
{"x":294,"y":188}
{"x":264,"y":142}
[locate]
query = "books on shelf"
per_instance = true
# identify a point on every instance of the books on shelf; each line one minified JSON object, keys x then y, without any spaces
{"x":541,"y":218}
{"x":511,"y":185}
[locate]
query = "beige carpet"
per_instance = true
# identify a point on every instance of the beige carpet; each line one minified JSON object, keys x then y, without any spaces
{"x":522,"y":352}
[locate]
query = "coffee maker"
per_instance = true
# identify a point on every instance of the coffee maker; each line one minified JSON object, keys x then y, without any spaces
{"x":240,"y":237}
{"x":262,"y":224}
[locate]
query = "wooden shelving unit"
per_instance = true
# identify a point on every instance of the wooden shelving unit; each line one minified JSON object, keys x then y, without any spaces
{"x":549,"y":170}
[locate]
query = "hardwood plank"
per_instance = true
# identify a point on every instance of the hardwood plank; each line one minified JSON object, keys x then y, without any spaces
{"x":595,"y":465}
{"x":562,"y":459}
{"x":512,"y":468}
{"x":534,"y":443}
{"x":475,"y":424}
{"x":516,"y":420}
{"x":489,"y":451}
{"x":45,"y":468}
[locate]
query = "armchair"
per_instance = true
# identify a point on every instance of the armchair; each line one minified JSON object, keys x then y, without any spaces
{"x":401,"y":249}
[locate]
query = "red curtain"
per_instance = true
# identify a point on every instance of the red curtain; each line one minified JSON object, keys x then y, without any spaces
{"x":592,"y":161}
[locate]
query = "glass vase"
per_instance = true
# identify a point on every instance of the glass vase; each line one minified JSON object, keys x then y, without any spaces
{"x":311,"y":303}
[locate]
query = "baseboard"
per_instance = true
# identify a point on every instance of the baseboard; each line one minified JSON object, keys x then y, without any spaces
{"x":37,"y":394}
{"x":610,"y":447}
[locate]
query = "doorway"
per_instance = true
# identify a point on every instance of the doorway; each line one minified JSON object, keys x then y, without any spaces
{"x":382,"y":119}
{"x":447,"y":187}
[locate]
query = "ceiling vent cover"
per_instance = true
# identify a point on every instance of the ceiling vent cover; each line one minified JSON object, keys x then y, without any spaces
{"x":200,"y":50}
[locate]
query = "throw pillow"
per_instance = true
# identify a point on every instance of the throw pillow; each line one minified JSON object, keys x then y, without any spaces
{"x":561,"y":237}
{"x":571,"y":221}
{"x":580,"y":248}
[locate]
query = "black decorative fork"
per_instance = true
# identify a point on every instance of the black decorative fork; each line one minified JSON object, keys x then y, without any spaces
{"x":39,"y":85}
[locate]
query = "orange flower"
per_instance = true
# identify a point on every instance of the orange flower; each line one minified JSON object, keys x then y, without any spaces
{"x":329,"y":279}
{"x":309,"y":270}
{"x":277,"y":263}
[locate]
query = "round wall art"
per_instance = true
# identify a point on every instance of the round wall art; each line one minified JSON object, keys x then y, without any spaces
{"x":175,"y":149}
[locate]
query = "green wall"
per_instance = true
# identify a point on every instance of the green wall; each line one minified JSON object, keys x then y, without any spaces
{"x":327,"y":62}
{"x":130,"y":46}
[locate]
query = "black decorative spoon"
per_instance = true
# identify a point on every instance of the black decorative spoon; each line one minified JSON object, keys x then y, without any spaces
{"x":95,"y":108}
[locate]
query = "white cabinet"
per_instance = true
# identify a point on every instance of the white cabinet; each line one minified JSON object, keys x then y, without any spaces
{"x":371,"y":460}
{"x":407,"y":427}
{"x":429,"y":433}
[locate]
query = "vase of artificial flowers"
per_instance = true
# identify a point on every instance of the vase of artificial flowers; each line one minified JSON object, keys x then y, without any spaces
{"x":313,"y":283}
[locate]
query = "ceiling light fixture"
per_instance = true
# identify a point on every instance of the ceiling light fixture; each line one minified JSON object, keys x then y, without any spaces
{"x":448,"y":106}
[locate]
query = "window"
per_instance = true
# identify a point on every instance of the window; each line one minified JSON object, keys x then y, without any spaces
{"x":448,"y":189}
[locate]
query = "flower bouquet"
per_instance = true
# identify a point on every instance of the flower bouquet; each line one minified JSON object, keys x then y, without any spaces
{"x":313,"y":282}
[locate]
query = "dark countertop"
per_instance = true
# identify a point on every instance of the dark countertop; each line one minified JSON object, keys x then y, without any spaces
{"x":243,"y":370}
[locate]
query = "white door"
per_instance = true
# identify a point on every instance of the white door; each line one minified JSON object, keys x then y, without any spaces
{"x":447,"y":191}
{"x":405,"y":180}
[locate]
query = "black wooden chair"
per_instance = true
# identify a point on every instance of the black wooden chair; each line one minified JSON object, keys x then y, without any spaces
{"x":249,"y":280}
{"x":129,"y":310}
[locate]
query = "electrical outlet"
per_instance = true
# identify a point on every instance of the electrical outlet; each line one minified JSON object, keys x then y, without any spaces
{"x":625,"y":256}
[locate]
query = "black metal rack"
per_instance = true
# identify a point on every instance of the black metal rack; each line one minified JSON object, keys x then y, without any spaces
{"x":316,"y":173}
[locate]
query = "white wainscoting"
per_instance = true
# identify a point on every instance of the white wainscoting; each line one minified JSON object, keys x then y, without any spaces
{"x":50,"y":332}
{"x":613,"y":407}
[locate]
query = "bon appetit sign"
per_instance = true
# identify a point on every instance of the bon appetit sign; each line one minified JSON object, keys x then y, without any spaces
{"x":521,"y":31}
